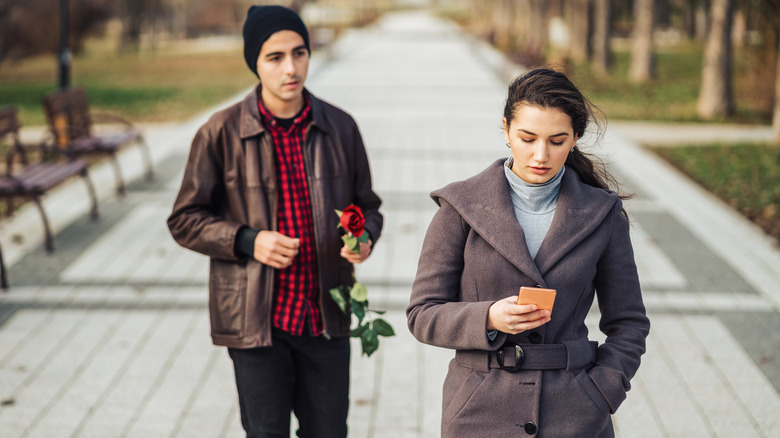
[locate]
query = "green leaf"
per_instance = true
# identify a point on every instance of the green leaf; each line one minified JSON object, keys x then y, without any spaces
{"x":378,"y":312}
{"x":369,"y":341}
{"x":338,"y":297}
{"x":359,"y":292}
{"x":383,"y":328}
{"x":358,"y":331}
{"x":339,"y":213}
{"x":358,"y":309}
{"x":363,"y":237}
{"x":351,"y":242}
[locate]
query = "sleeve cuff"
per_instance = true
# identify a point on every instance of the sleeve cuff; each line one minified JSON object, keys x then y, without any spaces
{"x":244,"y":245}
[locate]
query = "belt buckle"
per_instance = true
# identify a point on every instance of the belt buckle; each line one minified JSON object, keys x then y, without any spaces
{"x":519,"y":358}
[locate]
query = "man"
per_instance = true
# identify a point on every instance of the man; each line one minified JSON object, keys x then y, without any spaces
{"x":259,"y":194}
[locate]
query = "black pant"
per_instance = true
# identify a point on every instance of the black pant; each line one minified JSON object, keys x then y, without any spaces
{"x":303,"y":374}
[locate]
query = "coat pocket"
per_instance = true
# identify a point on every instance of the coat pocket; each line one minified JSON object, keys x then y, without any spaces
{"x":226,"y":306}
{"x":463,"y":394}
{"x":593,"y":393}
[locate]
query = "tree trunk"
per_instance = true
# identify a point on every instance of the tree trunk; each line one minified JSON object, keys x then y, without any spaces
{"x":642,"y":67}
{"x":602,"y":18}
{"x":136,"y":14}
{"x":776,"y":112}
{"x":6,"y":8}
{"x":688,"y":19}
{"x":179,"y":26}
{"x":480,"y":17}
{"x":578,"y":18}
{"x":502,"y":21}
{"x":536,"y":40}
{"x":739,"y":30}
{"x":702,"y":23}
{"x":530,"y":36}
{"x":558,"y":33}
{"x":715,"y":96}
{"x":297,"y":5}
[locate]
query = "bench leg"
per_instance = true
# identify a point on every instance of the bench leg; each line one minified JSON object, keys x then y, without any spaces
{"x":46,"y":228}
{"x":147,"y":157}
{"x":120,"y":181}
{"x":93,"y":212}
{"x":3,"y":275}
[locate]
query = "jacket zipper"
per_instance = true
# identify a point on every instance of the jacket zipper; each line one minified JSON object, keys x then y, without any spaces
{"x":274,"y":227}
{"x":313,"y":199}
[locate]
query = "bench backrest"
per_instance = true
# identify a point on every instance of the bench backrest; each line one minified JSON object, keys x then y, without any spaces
{"x":9,"y":123}
{"x":67,"y":112}
{"x":9,"y":135}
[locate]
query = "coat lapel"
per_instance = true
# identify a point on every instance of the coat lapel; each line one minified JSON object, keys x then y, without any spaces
{"x":581,"y":209}
{"x":485,"y":204}
{"x":251,"y":125}
{"x":483,"y":201}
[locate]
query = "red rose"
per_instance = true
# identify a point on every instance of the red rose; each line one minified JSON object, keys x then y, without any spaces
{"x":352,"y":220}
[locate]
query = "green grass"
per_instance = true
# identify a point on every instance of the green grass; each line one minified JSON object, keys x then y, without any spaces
{"x":163,"y":86}
{"x":671,"y":96}
{"x":746,"y":176}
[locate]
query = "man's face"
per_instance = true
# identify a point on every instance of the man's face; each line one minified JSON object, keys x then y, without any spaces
{"x":282,"y":66}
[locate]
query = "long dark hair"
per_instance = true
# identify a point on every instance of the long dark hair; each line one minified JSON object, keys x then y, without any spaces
{"x":547,"y":88}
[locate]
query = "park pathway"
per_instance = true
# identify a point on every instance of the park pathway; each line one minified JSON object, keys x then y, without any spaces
{"x":108,"y":337}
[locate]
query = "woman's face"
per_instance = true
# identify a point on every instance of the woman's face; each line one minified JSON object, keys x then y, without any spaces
{"x":540,"y":139}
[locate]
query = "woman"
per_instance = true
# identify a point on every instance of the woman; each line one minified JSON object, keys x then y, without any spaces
{"x":543,"y":218}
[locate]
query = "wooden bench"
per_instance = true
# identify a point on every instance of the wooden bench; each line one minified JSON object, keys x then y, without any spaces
{"x":3,"y":275}
{"x":70,"y":124}
{"x":32,"y":180}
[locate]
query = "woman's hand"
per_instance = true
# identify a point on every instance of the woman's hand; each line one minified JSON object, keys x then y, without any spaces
{"x":365,"y":250}
{"x":509,"y":317}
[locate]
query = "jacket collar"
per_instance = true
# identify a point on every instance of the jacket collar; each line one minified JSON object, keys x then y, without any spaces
{"x":252,"y":123}
{"x":484,"y":202}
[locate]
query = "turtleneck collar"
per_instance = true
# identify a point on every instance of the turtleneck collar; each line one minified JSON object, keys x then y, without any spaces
{"x":533,"y":198}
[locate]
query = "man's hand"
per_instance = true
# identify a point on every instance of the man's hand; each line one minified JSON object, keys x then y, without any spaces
{"x":365,"y":250}
{"x":509,"y":317}
{"x":275,"y":249}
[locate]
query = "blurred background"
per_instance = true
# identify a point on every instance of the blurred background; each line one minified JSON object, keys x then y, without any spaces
{"x":708,"y":61}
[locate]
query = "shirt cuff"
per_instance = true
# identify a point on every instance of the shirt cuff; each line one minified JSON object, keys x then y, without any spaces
{"x":244,"y":246}
{"x":491,"y":334}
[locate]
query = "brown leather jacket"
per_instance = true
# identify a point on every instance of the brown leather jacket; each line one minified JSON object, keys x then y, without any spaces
{"x":229,"y":182}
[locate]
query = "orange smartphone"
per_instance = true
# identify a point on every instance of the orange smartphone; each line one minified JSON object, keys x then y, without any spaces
{"x":543,"y":298}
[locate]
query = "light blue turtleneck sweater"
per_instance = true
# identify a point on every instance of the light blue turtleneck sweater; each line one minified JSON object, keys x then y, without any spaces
{"x":534,"y":205}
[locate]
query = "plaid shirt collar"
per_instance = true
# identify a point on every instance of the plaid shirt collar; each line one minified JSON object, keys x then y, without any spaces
{"x":269,"y":119}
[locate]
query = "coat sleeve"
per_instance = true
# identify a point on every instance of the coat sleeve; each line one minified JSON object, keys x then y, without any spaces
{"x":623,"y":317}
{"x":364,"y":195}
{"x":436,"y":315}
{"x":194,"y":222}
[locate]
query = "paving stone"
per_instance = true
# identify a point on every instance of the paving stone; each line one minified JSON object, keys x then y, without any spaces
{"x":703,"y":270}
{"x":759,"y":335}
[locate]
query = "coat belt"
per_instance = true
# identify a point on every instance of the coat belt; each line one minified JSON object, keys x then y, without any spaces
{"x":569,"y":355}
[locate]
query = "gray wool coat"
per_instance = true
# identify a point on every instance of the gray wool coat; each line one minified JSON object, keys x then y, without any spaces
{"x":475,"y":254}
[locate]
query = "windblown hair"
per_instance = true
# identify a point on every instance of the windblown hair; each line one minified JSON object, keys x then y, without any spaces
{"x":547,"y":88}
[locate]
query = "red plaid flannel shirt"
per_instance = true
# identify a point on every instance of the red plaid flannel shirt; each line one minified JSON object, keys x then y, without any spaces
{"x":297,"y":286}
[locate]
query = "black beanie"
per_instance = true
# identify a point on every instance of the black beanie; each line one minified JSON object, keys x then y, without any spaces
{"x":262,"y":22}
